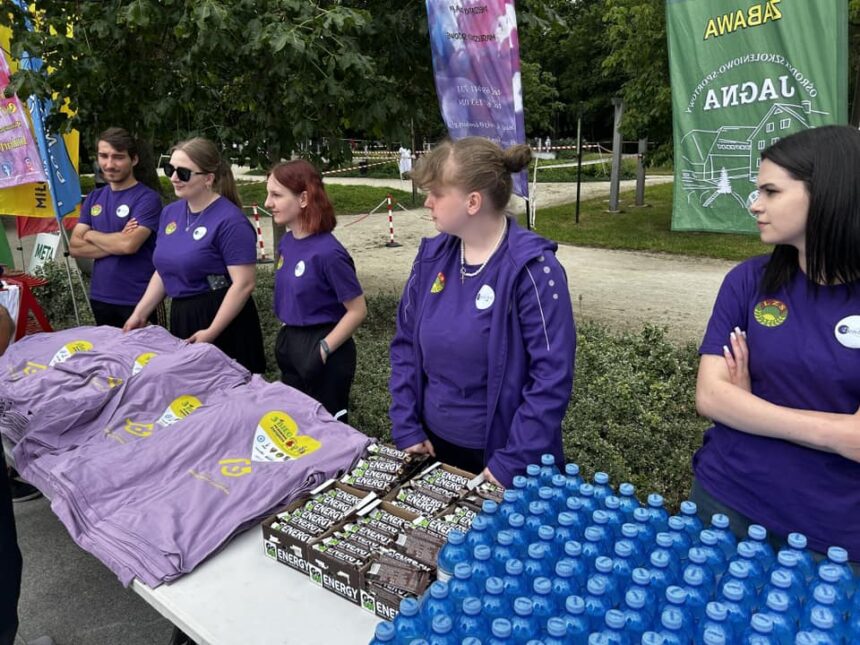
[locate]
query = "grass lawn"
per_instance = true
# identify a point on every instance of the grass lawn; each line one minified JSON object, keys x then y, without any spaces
{"x":640,"y":229}
{"x":347,"y":200}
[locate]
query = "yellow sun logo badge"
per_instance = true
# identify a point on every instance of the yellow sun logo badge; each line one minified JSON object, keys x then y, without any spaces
{"x":170,"y":228}
{"x":438,"y":283}
{"x":770,"y":313}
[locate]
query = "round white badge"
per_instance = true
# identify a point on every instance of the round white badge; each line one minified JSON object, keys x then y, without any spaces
{"x":122,"y":210}
{"x":199,"y":232}
{"x":847,"y":332}
{"x":485,"y":298}
{"x":300,"y":268}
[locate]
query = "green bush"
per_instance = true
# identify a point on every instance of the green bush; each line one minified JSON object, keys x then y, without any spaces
{"x":55,"y":297}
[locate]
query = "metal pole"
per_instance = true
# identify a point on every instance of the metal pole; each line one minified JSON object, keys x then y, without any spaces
{"x":578,"y":162}
{"x":615,"y":177}
{"x":414,"y":159}
{"x":640,"y":172}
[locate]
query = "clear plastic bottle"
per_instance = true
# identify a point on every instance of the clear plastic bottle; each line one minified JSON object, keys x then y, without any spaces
{"x":536,"y":564}
{"x":436,"y":602}
{"x":479,"y":533}
{"x":838,"y":557}
{"x":602,"y":488}
{"x":697,"y":560}
{"x":556,"y":630}
{"x":563,"y":582}
{"x":717,"y":561}
{"x":681,"y":541}
{"x":600,"y":521}
{"x":559,"y":491}
{"x":494,"y":602}
{"x":384,"y":634}
{"x":698,"y":592}
{"x":647,"y":532}
{"x":482,"y":565}
{"x":717,"y":623}
{"x":593,"y":546}
{"x":636,"y":615}
{"x":822,"y":630}
{"x":471,"y":621}
{"x":597,"y":603}
{"x":451,"y":554}
{"x":660,"y":573}
{"x":517,"y":528}
{"x":577,"y":621}
{"x":829,"y":574}
{"x":676,"y":597}
{"x":689,"y":515}
{"x":757,"y":536}
{"x":532,"y":482}
{"x":739,"y":606}
{"x":779,"y":581}
{"x":787,"y":561}
{"x":629,"y":502}
{"x":500,"y":632}
{"x":581,"y":517}
{"x":823,"y":598}
{"x":663,"y":543}
{"x":612,"y":508}
{"x":739,"y":572}
{"x":586,"y":497}
{"x":622,"y":562}
{"x":544,"y":603}
{"x":490,"y":512}
{"x":553,"y":505}
{"x":785,"y":621}
{"x":538,"y":515}
{"x":673,"y":629}
{"x":797,"y":544}
{"x":461,"y":586}
{"x":657,"y":511}
{"x":408,"y":623}
{"x":565,"y":530}
{"x":546,"y":537}
{"x":640,"y":578}
{"x":614,"y":628}
{"x":504,"y":550}
{"x":727,"y":540}
{"x":515,"y":581}
{"x":524,"y":625}
{"x":512,"y":502}
{"x":574,"y":479}
{"x":547,"y":469}
{"x":442,"y":632}
{"x":746,"y":553}
{"x":629,"y":531}
{"x":760,"y":631}
{"x":573,"y":555}
{"x":603,"y":571}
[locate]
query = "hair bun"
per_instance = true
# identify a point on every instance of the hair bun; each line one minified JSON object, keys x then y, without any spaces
{"x":516,"y":157}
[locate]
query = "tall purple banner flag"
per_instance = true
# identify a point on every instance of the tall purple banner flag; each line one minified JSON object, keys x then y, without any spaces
{"x":19,"y":157}
{"x":476,"y":62}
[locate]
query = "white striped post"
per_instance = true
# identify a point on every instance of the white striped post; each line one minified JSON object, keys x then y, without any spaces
{"x":391,"y":243}
{"x":259,"y":233}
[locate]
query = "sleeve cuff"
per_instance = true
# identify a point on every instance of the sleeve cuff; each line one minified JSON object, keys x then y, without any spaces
{"x":406,"y":439}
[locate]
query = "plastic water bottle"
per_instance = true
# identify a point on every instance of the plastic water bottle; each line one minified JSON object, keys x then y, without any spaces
{"x":532,"y":482}
{"x":517,"y":528}
{"x":482,"y":565}
{"x":494,"y":602}
{"x":556,"y":629}
{"x":698,"y":561}
{"x":603,"y":571}
{"x":547,"y":469}
{"x":757,"y":536}
{"x":537,"y":517}
{"x":543,"y":600}
{"x":524,"y":625}
{"x":636,"y":616}
{"x":612,"y":508}
{"x":565,"y":531}
{"x":823,"y":630}
{"x":779,"y":581}
{"x":384,"y":634}
{"x":573,"y":555}
{"x":852,"y":629}
{"x":443,"y":631}
{"x":677,"y":597}
{"x":627,"y":497}
{"x":479,"y":533}
{"x":586,"y":497}
{"x":563,"y":582}
{"x":536,"y":564}
{"x":716,"y":559}
{"x":614,"y":628}
{"x":500,"y":632}
{"x":760,"y":631}
{"x":597,"y":603}
{"x":647,"y":532}
{"x":574,"y":479}
{"x":658,"y":513}
{"x":512,"y":502}
{"x":553,"y":505}
{"x":436,"y":602}
{"x":577,"y":621}
{"x":797,"y":545}
{"x":698,"y":592}
{"x":408,"y":623}
{"x":838,"y":557}
{"x":546,"y":538}
{"x":490,"y":513}
{"x":681,"y":541}
{"x":823,"y":599}
{"x":600,"y":521}
{"x":739,"y":606}
{"x":451,"y":554}
{"x":829,"y":574}
{"x":581,"y":517}
{"x":653,"y":638}
{"x":471,"y":621}
{"x":660,"y":573}
{"x":727,"y":540}
{"x":623,"y":563}
{"x":786,"y":560}
{"x":593,"y":546}
{"x":746,"y":553}
{"x":504,"y":550}
{"x":602,"y":489}
{"x":462,"y":586}
{"x":515,"y":582}
{"x":631,"y":533}
{"x":663,"y":543}
{"x":690,"y":517}
{"x":672,"y":627}
{"x":785,"y":622}
{"x":640,"y":578}
{"x":471,"y":640}
{"x":716,"y":622}
{"x":740,"y":573}
{"x":559,"y":490}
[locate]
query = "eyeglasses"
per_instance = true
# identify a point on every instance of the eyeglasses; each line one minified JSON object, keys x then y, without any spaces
{"x":184,"y":174}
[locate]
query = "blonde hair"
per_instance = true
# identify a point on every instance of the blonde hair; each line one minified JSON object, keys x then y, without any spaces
{"x":205,"y":154}
{"x":478,"y":165}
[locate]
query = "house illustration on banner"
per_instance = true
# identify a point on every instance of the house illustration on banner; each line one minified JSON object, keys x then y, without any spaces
{"x":712,"y":159}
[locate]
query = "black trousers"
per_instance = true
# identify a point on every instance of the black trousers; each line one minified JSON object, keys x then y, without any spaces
{"x":10,"y":561}
{"x":469,"y":459}
{"x":106,"y":313}
{"x":297,"y":350}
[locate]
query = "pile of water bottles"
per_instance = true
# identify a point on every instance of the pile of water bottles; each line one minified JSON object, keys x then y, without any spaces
{"x":564,"y":561}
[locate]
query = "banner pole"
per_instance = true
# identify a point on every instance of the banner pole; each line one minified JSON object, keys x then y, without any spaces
{"x":64,"y":235}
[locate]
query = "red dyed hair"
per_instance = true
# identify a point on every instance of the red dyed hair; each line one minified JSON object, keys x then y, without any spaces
{"x":300,"y":176}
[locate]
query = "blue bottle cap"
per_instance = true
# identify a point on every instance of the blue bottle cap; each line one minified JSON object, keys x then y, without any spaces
{"x":641,"y":514}
{"x":612,"y":502}
{"x":409,"y":606}
{"x":689,"y":508}
{"x":787,"y":558}
{"x":708,"y":537}
{"x":777,"y":600}
{"x":547,"y":459}
{"x":603,"y":564}
{"x":596,"y":586}
{"x":629,"y":530}
{"x":600,"y":517}
{"x":566,"y":519}
{"x":797,"y":541}
{"x":821,"y":618}
{"x":571,"y":470}
{"x":532,"y":470}
{"x":601,"y":478}
{"x":574,"y":605}
{"x":761,"y":623}
{"x":720,"y":521}
{"x":546,"y":532}
{"x":664,"y":540}
{"x":697,"y":555}
{"x":623,"y":548}
{"x":694,"y":576}
{"x":660,"y":559}
{"x":462,"y":571}
{"x":592,"y":534}
{"x":489,"y":506}
{"x":536,"y":508}
{"x":640,"y":576}
{"x":520,"y":481}
{"x":615,"y":619}
{"x":563,"y":569}
{"x":739,"y":569}
{"x":733,"y":590}
{"x":676,"y":595}
{"x":655,"y":500}
{"x":384,"y":631}
{"x":806,"y":638}
{"x":635,"y":598}
{"x":824,"y":594}
{"x":542,"y":586}
{"x":780,"y":578}
{"x":675,"y":523}
{"x":510,"y":496}
{"x":515,"y":520}
{"x":482,"y":552}
{"x":827,"y":572}
{"x":716,"y":611}
{"x":573,"y":503}
{"x":523,"y":606}
{"x":559,"y":481}
{"x":442,"y":624}
{"x":505,"y":537}
{"x":556,"y":627}
{"x":572,"y":548}
{"x":471,"y":606}
{"x":586,"y":490}
{"x":672,"y":618}
{"x":597,"y":638}
{"x":494,"y":585}
{"x":545,"y":493}
{"x":456,"y":536}
{"x":627,"y":489}
{"x":757,"y":532}
{"x":652,"y":638}
{"x":536,"y":551}
{"x":439,"y":589}
{"x":712,"y":636}
{"x":501,"y":628}
{"x":745,"y":549}
{"x":513,"y":567}
{"x":837,"y":554}
{"x":479,"y":523}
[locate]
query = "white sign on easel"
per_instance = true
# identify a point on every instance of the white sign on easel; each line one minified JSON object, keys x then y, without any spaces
{"x":45,"y":250}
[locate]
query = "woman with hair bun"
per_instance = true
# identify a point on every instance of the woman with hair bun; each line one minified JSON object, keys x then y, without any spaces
{"x":482,"y":359}
{"x":205,"y":258}
{"x":317,"y":295}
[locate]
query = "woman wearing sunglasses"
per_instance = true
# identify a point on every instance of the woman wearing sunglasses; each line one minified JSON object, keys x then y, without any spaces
{"x":780,"y":367}
{"x":205,"y":258}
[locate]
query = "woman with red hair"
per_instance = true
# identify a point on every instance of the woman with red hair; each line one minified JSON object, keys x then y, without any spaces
{"x":317,"y":295}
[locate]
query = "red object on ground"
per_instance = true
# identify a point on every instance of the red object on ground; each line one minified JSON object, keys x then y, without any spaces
{"x":27,"y":324}
{"x":34,"y":225}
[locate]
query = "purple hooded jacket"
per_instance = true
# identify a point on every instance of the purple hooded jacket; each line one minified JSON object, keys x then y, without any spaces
{"x":532,"y":346}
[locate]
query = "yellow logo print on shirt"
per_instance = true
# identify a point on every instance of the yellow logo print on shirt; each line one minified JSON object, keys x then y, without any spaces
{"x":138,"y":429}
{"x":770,"y":313}
{"x":235,"y":467}
{"x":170,"y":228}
{"x":68,"y":349}
{"x":438,"y":283}
{"x":178,"y":409}
{"x":277,"y":439}
{"x":96,"y":210}
{"x":280,"y":263}
{"x":142,"y":361}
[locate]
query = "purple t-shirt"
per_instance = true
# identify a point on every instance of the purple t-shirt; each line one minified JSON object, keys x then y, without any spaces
{"x":804,"y":353}
{"x":155,"y":509}
{"x":313,"y":277}
{"x":454,"y":333}
{"x":190,"y":247}
{"x":122,"y":279}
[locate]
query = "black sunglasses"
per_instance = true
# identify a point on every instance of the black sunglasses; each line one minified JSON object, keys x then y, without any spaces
{"x":184,"y":174}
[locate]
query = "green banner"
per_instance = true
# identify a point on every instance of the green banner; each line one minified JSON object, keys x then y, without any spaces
{"x":744,"y":75}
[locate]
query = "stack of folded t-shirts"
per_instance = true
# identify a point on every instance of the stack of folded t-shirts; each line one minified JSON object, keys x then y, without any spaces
{"x":155,"y":509}
{"x":71,"y":374}
{"x":172,"y":386}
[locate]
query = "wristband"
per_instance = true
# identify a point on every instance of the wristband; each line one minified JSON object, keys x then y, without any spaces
{"x":326,"y":349}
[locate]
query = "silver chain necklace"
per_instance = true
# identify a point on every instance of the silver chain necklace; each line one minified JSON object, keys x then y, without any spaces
{"x":471,"y":274}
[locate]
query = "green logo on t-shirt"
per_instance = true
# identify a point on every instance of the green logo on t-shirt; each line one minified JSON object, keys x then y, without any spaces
{"x":96,"y":210}
{"x":770,"y":313}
